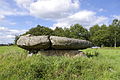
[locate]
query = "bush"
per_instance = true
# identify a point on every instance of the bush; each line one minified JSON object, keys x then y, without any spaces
{"x":90,"y":53}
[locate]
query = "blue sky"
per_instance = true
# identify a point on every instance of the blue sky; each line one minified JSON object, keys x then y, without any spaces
{"x":18,"y":16}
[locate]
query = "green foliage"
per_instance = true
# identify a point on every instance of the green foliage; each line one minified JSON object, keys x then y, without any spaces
{"x":115,"y":33}
{"x":16,"y":38}
{"x":40,"y":30}
{"x":94,"y":29}
{"x":59,"y":32}
{"x":67,"y":32}
{"x":16,"y":65}
{"x":78,"y":31}
{"x":91,"y":53}
{"x":101,"y":38}
{"x":103,"y":27}
{"x":106,"y":35}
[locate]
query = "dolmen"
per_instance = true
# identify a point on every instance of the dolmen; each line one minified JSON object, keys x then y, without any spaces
{"x":52,"y":45}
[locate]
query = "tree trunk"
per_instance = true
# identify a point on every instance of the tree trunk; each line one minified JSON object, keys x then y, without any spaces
{"x":115,"y":44}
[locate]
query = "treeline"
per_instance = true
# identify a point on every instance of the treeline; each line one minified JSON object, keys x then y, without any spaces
{"x":9,"y":44}
{"x":107,"y":36}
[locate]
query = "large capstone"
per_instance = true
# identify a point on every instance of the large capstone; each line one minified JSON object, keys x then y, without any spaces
{"x":69,"y":43}
{"x":37,"y":43}
{"x":29,"y":42}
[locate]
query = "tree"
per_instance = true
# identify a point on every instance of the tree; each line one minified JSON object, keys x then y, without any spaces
{"x":103,"y":27}
{"x":59,"y":32}
{"x":115,"y":31}
{"x":107,"y":36}
{"x":67,"y":32}
{"x":101,"y":38}
{"x":94,"y":29}
{"x":78,"y":31}
{"x":40,"y":30}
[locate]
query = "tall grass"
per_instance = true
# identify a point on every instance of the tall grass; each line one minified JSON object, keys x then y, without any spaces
{"x":16,"y":65}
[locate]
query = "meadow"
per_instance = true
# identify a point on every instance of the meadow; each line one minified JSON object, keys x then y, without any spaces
{"x":16,"y":65}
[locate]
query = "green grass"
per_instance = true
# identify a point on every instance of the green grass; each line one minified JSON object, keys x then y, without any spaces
{"x":15,"y":65}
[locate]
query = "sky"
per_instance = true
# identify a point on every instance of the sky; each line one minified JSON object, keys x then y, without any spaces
{"x":18,"y":16}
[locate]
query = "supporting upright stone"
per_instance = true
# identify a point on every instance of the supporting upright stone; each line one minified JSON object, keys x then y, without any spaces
{"x":67,"y":53}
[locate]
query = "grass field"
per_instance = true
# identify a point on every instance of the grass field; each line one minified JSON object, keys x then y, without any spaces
{"x":15,"y":65}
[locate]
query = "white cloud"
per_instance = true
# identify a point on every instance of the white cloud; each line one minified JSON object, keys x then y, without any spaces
{"x":53,"y":9}
{"x":1,"y":17}
{"x":63,"y":12}
{"x":101,"y":10}
{"x":7,"y":35}
{"x":85,"y":18}
{"x":24,"y":3}
{"x":49,"y":9}
{"x":14,"y":12}
{"x":116,"y":17}
{"x":11,"y":31}
{"x":2,"y":28}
